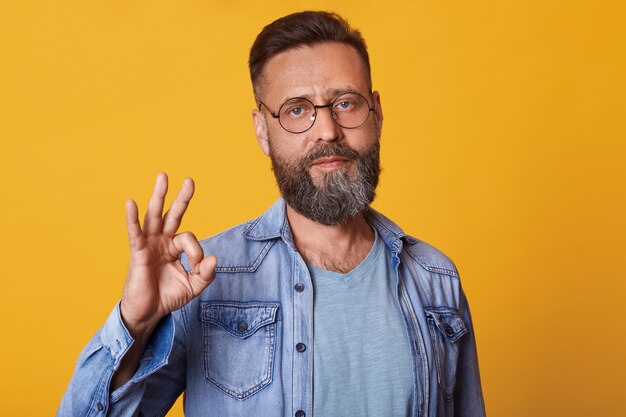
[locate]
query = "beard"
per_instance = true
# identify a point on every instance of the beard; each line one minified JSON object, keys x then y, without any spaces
{"x":342,"y":193}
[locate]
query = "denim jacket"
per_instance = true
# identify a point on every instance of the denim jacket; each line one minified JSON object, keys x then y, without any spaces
{"x":244,"y":347}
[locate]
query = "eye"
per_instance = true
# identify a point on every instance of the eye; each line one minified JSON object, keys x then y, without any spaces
{"x":344,"y":104}
{"x":296,"y":108}
{"x":296,"y":111}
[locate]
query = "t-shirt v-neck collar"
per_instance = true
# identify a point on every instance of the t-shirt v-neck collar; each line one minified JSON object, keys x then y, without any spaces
{"x":359,"y":271}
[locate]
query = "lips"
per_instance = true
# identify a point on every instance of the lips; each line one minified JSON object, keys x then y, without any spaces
{"x":329,"y":161}
{"x":329,"y":155}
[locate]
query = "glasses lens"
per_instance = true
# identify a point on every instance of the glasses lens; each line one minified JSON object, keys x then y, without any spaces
{"x":297,"y":115}
{"x":351,"y":110}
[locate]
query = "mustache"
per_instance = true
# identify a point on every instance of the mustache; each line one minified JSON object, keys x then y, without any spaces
{"x":332,"y":149}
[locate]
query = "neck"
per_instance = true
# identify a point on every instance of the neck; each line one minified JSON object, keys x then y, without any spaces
{"x":338,"y":248}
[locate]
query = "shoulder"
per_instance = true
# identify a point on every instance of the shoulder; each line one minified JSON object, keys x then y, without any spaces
{"x":235,"y":251}
{"x":227,"y":239}
{"x":428,"y":257}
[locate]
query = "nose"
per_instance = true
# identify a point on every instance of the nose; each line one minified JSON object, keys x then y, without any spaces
{"x":325,"y":127}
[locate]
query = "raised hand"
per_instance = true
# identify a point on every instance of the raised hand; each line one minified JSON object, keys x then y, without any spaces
{"x":157,"y":283}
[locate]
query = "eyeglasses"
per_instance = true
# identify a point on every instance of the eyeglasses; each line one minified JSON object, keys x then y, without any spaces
{"x":298,"y":114}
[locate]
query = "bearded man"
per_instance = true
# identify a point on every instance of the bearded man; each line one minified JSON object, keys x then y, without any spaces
{"x":321,"y":306}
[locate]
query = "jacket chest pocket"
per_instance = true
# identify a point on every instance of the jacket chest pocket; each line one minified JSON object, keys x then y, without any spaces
{"x":446,"y":328}
{"x":239,"y":343}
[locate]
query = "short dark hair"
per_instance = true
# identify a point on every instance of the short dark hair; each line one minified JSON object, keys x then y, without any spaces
{"x":303,"y":28}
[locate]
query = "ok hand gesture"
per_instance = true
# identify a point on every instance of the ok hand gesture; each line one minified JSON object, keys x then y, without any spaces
{"x":157,"y":283}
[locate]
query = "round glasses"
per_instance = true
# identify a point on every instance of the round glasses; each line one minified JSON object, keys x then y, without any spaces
{"x":298,"y":114}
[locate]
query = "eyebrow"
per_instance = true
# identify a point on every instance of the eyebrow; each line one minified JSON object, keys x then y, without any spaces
{"x":332,"y":93}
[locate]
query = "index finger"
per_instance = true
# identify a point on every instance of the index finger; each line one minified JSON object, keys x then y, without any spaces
{"x":174,"y":216}
{"x":135,"y":236}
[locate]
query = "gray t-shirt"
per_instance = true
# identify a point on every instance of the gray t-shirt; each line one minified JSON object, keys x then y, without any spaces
{"x":362,"y":356}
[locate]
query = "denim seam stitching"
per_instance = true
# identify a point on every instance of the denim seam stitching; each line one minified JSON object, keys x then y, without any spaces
{"x":269,"y":324}
{"x":267,"y":378}
{"x":431,"y":268}
{"x":455,"y":316}
{"x":404,"y":298}
{"x":251,"y":268}
{"x":247,"y":233}
{"x":396,"y":235}
{"x":432,"y":328}
{"x":185,"y":319}
{"x":102,"y":385}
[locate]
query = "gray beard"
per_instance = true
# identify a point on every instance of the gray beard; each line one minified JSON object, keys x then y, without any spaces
{"x":338,"y":198}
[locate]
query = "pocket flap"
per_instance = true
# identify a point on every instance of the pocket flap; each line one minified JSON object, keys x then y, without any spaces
{"x":447,"y":321}
{"x":239,"y":319}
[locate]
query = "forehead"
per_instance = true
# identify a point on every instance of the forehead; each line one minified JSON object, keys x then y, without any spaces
{"x":318,"y":72}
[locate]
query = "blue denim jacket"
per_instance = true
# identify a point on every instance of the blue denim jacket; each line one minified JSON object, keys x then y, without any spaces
{"x":236,"y":350}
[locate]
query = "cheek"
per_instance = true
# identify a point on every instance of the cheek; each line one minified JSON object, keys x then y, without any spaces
{"x":364,"y":140}
{"x":288,"y":149}
{"x":280,"y":152}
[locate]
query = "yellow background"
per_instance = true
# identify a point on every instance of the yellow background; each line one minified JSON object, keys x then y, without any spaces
{"x":503,"y":145}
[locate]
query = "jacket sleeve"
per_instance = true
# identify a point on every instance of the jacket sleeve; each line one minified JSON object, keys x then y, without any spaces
{"x":153,"y":389}
{"x":468,"y":401}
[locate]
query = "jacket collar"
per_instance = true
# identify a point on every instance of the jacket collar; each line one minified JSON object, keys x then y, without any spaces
{"x":390,"y":232}
{"x":270,"y":225}
{"x":273,"y":224}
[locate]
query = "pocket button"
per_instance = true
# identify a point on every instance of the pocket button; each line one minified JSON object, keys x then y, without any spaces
{"x":242,"y":326}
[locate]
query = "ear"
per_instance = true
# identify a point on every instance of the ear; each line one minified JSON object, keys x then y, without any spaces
{"x":260,"y":129}
{"x":378,"y":112}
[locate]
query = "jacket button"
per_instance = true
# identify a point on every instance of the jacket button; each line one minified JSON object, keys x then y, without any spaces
{"x":300,"y":413}
{"x":100,"y":407}
{"x":299,"y":287}
{"x":242,"y":326}
{"x":301,"y":347}
{"x":449,"y":329}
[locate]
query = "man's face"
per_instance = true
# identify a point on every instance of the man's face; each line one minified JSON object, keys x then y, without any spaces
{"x":328,"y":173}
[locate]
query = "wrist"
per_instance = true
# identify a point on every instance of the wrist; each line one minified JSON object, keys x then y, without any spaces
{"x":140,"y":330}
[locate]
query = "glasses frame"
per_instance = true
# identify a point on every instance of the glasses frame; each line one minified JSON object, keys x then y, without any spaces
{"x":315,"y":107}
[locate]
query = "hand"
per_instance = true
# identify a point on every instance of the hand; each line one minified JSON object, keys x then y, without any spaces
{"x":157,"y":283}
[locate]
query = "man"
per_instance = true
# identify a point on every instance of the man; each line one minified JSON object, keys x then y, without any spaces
{"x":321,"y":306}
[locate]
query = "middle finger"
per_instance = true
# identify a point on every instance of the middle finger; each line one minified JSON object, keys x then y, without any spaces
{"x":174,"y":216}
{"x":154,"y":214}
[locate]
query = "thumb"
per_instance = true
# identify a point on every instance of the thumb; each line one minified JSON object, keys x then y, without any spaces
{"x":203,"y":274}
